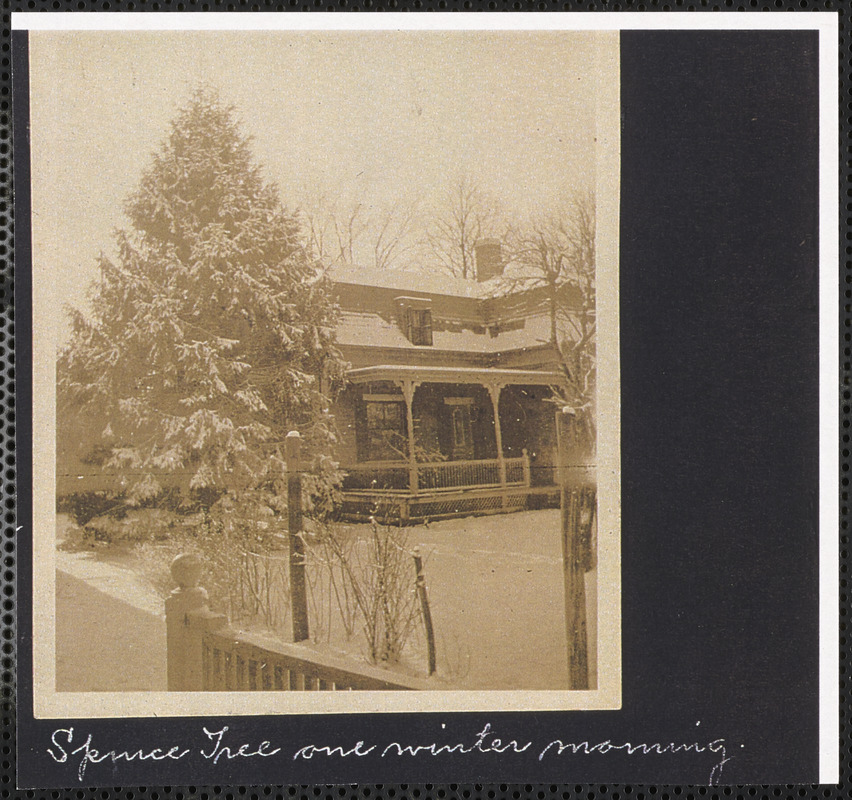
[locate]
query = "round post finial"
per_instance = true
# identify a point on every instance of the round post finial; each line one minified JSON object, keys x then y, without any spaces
{"x":186,"y":570}
{"x":293,"y":447}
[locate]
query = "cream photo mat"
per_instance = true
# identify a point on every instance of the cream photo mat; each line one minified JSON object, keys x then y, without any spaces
{"x":47,"y":315}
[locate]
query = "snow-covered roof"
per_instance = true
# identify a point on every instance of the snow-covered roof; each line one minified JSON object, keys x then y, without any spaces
{"x":412,"y":281}
{"x":355,"y":328}
{"x":454,"y":374}
{"x":378,"y":330}
{"x":371,"y":329}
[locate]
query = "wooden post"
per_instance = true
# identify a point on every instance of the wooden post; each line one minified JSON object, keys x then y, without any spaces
{"x":408,"y":390}
{"x":494,"y":390}
{"x":526,"y":466}
{"x":563,"y":419}
{"x":424,"y":607}
{"x":298,"y":589}
{"x":187,"y":619}
{"x":578,"y":504}
{"x":572,"y":557}
{"x":575,"y":589}
{"x":576,"y":465}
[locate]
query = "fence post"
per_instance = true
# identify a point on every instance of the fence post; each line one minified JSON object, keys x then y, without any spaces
{"x":574,"y":556}
{"x":298,"y":589}
{"x":424,"y":607}
{"x":187,"y":619}
{"x":575,"y":590}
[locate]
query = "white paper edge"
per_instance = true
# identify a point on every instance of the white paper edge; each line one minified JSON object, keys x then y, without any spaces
{"x":399,"y":21}
{"x":829,"y":410}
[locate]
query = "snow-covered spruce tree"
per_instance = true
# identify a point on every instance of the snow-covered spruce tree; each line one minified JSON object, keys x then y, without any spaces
{"x":212,"y":334}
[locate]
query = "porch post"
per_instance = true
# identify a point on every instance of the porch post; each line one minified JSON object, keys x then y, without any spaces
{"x":494,"y":390}
{"x":408,"y":388}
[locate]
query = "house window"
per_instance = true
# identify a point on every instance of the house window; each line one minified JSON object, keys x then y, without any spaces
{"x":420,"y":326}
{"x":386,"y":439}
{"x":415,"y":319}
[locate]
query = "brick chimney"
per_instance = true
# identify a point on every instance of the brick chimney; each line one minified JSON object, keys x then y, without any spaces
{"x":489,"y":259}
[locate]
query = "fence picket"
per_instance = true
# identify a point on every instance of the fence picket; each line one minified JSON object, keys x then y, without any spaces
{"x":231,"y":676}
{"x":204,"y":654}
{"x":248,"y":665}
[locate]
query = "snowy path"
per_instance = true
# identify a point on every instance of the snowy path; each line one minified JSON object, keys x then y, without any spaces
{"x":104,"y":644}
{"x":110,"y":625}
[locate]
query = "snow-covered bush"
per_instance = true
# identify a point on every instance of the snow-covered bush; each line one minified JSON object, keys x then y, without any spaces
{"x":83,"y":506}
{"x":371,"y":577}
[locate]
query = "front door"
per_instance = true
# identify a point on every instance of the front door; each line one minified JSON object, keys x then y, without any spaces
{"x":462,"y":431}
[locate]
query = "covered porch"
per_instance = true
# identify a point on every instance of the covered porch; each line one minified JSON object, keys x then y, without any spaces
{"x":446,"y":441}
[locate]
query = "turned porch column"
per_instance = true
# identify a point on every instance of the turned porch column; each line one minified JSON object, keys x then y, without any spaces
{"x":494,"y":390}
{"x":408,"y":388}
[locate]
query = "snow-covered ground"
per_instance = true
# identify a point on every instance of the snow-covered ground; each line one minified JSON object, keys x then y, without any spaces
{"x":496,"y":592}
{"x":103,"y":643}
{"x":495,"y":587}
{"x":114,"y":576}
{"x":110,"y":625}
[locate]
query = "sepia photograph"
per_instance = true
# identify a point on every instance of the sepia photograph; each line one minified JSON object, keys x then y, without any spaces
{"x":323,"y":322}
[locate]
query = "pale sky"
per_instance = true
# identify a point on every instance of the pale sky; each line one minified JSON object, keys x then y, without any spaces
{"x":378,"y":116}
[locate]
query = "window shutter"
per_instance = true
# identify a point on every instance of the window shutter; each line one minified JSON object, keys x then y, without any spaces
{"x":411,"y":330}
{"x":427,"y":327}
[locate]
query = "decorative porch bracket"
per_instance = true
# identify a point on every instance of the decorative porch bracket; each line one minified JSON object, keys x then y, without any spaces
{"x":409,"y":387}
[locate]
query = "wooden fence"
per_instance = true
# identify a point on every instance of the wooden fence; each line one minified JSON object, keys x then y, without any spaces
{"x":205,"y":654}
{"x":236,"y":661}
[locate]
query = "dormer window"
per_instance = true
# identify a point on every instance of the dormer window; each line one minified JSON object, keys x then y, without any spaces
{"x":420,"y":326}
{"x":416,"y":319}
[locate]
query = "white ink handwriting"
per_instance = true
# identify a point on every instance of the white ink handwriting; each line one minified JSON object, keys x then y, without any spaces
{"x":492,"y":745}
{"x":243,"y":751}
{"x":90,"y":755}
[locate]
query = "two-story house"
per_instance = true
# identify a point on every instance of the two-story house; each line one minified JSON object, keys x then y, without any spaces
{"x":446,"y":408}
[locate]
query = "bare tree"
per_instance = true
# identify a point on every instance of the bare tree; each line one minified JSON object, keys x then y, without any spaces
{"x":356,"y":232}
{"x":557,"y":254}
{"x":391,"y":233}
{"x":351,"y":223}
{"x":465,"y":214}
{"x":335,"y":228}
{"x":317,"y":220}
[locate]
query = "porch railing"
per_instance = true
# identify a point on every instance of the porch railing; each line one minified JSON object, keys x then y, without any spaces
{"x":378,"y":475}
{"x":437,"y":476}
